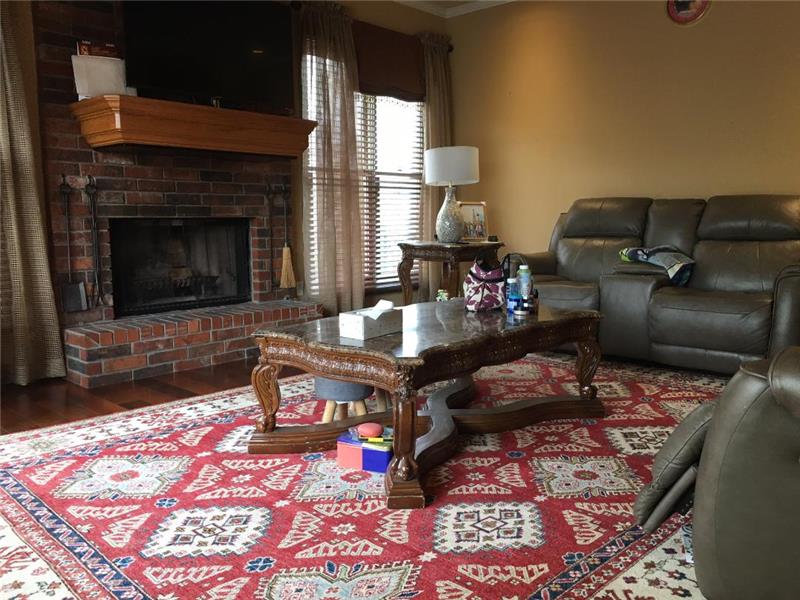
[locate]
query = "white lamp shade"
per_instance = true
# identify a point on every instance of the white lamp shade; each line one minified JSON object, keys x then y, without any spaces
{"x":451,"y":165}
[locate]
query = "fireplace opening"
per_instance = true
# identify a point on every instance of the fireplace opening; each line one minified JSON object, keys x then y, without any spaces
{"x":171,"y":264}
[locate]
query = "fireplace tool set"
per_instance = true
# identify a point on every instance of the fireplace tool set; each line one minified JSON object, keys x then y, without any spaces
{"x":77,"y":296}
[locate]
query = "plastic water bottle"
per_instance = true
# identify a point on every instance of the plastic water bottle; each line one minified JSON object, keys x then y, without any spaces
{"x":512,"y":294}
{"x":524,"y":277}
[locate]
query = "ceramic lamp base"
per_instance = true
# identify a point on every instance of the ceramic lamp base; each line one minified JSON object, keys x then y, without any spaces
{"x":449,"y":222}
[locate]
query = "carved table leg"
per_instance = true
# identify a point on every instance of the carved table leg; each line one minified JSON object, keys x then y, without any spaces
{"x":404,"y":274}
{"x":586,"y":366}
{"x":450,"y":278}
{"x":403,"y":489}
{"x":265,"y":384}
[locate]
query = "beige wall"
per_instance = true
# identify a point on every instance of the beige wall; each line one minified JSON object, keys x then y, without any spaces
{"x":567,"y":100}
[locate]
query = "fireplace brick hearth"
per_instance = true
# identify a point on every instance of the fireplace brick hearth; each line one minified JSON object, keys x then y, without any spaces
{"x":138,"y":347}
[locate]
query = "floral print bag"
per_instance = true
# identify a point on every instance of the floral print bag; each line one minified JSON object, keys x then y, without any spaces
{"x":484,"y":287}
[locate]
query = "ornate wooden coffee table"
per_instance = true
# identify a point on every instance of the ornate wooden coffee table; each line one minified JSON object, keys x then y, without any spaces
{"x":441,"y":342}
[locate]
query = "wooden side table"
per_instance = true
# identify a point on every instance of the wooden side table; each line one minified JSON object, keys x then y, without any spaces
{"x":447,"y":254}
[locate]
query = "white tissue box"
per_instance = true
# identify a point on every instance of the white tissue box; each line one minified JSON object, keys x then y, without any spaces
{"x":370,"y":322}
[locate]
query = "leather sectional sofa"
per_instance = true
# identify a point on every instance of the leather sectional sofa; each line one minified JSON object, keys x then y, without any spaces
{"x":742,"y":302}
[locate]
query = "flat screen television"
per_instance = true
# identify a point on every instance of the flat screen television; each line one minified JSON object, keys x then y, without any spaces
{"x":240,"y":52}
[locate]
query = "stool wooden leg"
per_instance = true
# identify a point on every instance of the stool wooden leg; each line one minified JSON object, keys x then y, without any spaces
{"x":330,"y":408}
{"x":341,"y":411}
{"x":359,"y":407}
{"x":380,"y":400}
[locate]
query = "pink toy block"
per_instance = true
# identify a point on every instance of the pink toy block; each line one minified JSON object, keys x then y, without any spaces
{"x":348,"y":456}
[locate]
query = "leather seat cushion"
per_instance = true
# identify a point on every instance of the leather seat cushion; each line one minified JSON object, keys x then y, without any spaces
{"x":727,"y":321}
{"x":568,"y":294}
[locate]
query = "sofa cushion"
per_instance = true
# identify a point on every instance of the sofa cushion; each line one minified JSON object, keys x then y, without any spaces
{"x":587,"y":259}
{"x":673,"y":222}
{"x":607,"y":217}
{"x":748,"y":266}
{"x":755,"y":217}
{"x":568,"y":294}
{"x":726,"y":321}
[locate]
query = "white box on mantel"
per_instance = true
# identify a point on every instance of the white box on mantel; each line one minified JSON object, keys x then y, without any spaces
{"x":366,"y":323}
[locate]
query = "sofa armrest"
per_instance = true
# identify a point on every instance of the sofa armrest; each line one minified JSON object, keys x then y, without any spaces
{"x":625,"y":304}
{"x":640,"y":268}
{"x":541,"y":263}
{"x":785,"y":311}
{"x":784,"y":379}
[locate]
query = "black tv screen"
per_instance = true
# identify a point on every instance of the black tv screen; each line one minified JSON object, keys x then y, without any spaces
{"x":240,"y":52}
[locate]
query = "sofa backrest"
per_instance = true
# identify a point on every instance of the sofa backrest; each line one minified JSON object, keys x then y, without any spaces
{"x":594,"y":231}
{"x":673,"y":222}
{"x":743,"y":242}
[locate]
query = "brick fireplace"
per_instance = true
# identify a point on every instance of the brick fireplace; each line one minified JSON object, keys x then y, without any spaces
{"x":149,"y":183}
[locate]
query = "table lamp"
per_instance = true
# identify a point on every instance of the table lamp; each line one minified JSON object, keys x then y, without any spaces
{"x":450,"y":166}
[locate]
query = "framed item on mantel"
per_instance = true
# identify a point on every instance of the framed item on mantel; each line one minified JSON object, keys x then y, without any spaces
{"x":475,"y":227}
{"x":684,"y":12}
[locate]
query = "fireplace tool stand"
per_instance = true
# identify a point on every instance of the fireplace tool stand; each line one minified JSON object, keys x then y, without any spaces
{"x":73,"y":295}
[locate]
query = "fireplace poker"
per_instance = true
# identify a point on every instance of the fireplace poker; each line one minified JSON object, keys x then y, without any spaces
{"x":91,"y":192}
{"x":73,"y":295}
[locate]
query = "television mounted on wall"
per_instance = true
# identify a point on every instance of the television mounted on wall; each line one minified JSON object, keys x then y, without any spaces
{"x":237,"y":52}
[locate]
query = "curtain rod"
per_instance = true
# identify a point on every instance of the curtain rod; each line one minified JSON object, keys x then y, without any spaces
{"x":296,"y":5}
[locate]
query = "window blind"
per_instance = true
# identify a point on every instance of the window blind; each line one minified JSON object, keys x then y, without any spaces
{"x":390,"y":151}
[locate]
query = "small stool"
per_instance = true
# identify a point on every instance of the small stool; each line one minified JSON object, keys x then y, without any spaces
{"x":338,"y":395}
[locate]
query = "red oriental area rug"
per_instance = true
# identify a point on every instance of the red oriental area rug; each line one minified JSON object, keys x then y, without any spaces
{"x":165,"y":503}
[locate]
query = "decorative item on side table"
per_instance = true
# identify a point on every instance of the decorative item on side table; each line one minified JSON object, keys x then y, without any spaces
{"x":475,"y":227}
{"x":450,"y":166}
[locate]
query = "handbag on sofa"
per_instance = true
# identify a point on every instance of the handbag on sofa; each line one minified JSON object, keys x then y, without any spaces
{"x":484,"y":287}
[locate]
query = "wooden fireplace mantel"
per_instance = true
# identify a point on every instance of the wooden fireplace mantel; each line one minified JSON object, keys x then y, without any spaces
{"x":112,"y":120}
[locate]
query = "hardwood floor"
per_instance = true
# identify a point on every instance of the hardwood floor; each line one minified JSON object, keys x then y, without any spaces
{"x":56,"y":401}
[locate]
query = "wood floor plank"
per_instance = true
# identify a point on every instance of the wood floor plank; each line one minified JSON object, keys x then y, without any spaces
{"x":56,"y":401}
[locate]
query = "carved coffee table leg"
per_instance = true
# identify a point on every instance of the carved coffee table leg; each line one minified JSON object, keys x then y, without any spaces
{"x":268,"y":392}
{"x":404,"y":274}
{"x":586,"y":366}
{"x":403,"y":489}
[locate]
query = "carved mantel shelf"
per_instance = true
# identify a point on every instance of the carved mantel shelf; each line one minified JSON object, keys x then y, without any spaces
{"x":113,"y":120}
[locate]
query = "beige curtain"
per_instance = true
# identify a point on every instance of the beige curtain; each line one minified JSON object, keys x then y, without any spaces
{"x":31,"y":340}
{"x":438,"y":132}
{"x":332,"y":217}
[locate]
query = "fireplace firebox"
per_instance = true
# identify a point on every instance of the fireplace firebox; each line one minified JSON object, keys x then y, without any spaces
{"x":172,"y":264}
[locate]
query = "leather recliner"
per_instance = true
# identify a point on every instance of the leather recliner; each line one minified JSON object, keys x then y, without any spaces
{"x":747,"y":494}
{"x":741,"y":454}
{"x":743,"y":299}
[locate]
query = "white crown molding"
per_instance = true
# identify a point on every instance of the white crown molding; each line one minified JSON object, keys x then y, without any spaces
{"x":437,"y":8}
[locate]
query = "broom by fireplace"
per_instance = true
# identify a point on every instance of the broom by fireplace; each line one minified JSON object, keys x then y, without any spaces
{"x":287,"y":270}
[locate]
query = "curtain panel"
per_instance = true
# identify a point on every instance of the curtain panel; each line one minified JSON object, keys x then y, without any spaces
{"x":438,"y":132}
{"x":332,"y":215}
{"x":31,"y":336}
